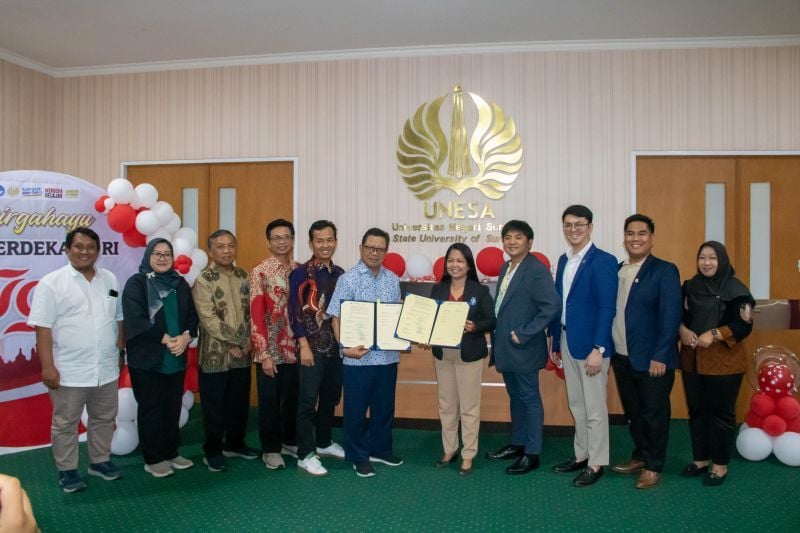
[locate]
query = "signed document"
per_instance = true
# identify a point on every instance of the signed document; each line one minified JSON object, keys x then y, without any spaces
{"x":385,"y":326}
{"x":357,"y":324}
{"x":425,"y":321}
{"x":371,"y":325}
{"x":449,"y":325}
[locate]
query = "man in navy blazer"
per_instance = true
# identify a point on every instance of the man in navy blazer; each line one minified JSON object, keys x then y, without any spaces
{"x":645,"y":335}
{"x":525,"y":304}
{"x":586,"y":279}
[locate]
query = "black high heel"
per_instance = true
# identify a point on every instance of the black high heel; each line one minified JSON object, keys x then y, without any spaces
{"x":441,"y":464}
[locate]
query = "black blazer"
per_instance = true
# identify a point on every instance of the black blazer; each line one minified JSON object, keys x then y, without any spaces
{"x":143,"y":339}
{"x":481,"y":312}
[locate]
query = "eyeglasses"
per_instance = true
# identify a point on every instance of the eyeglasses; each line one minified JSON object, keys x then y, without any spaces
{"x":580,"y":226}
{"x":161,"y":255}
{"x":281,"y":238}
{"x":373,"y":250}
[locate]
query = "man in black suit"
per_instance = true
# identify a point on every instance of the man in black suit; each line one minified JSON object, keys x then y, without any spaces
{"x":526,"y":302}
{"x":645,"y":335}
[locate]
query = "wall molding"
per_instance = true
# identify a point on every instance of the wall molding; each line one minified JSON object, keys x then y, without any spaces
{"x":408,"y":51}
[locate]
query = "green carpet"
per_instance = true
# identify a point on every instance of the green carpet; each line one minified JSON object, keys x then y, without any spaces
{"x":413,"y":497}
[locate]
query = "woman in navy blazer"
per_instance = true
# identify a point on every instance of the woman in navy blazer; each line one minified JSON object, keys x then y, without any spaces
{"x":459,"y":370}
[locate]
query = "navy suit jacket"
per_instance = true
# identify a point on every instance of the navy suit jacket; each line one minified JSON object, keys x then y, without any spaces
{"x":653,"y":315}
{"x":530,"y":303}
{"x":591,"y":304}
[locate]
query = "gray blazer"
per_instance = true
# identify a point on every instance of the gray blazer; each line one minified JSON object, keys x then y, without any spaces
{"x":531,"y":302}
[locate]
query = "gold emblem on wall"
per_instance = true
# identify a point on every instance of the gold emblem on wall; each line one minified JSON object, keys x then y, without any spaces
{"x":428,"y":162}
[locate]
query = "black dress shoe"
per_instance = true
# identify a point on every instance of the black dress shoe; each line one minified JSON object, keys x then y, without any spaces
{"x":523,"y":465}
{"x":588,"y":476}
{"x":570,"y":465}
{"x":714,"y":480}
{"x":506,"y":452}
{"x":692,"y":470}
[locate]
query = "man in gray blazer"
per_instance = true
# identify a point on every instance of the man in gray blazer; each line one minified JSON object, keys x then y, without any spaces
{"x":526,"y":302}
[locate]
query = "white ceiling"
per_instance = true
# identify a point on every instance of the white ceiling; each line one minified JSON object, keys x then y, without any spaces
{"x":66,"y":35}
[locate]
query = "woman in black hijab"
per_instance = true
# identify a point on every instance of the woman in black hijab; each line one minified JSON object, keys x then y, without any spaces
{"x":718,"y":315}
{"x":160,"y":322}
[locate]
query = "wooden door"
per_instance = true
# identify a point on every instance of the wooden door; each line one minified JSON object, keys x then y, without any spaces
{"x":671,"y":190}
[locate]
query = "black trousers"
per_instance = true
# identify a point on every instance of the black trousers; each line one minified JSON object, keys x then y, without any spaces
{"x":277,"y":407}
{"x":159,"y":398}
{"x":712,"y":415}
{"x":645,"y":400}
{"x":319,"y":394}
{"x":225,"y":400}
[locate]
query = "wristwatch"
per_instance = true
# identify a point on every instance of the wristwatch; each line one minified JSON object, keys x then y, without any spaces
{"x":715,"y":333}
{"x":600,"y":349}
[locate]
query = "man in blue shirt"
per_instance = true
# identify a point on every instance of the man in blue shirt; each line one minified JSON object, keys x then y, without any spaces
{"x":369,"y":376}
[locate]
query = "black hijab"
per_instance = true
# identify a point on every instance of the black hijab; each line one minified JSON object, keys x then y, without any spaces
{"x":706,"y":297}
{"x":159,"y":284}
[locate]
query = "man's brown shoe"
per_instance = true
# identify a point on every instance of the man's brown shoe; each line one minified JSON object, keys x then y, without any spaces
{"x":648,"y":479}
{"x":629,"y":467}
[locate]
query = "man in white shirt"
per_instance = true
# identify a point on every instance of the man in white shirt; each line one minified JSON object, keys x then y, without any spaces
{"x":77,"y":314}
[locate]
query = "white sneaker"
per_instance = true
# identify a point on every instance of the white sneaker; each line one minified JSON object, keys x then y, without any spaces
{"x":273,"y":461}
{"x":180,"y":463}
{"x":291,"y":451}
{"x":312,"y":466}
{"x":334,"y":450}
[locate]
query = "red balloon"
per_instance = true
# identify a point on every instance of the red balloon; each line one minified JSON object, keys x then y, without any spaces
{"x":787,"y":408}
{"x":793,"y":425}
{"x":190,"y":381}
{"x":100,"y":204}
{"x":438,"y":269}
{"x":489,"y":260}
{"x":762,"y":405}
{"x":753,"y":420}
{"x":191,"y":356}
{"x":124,"y":377}
{"x":395,"y":262}
{"x":134,"y":239}
{"x":776,"y":380}
{"x":774,"y":425}
{"x":121,"y":218}
{"x":543,"y":258}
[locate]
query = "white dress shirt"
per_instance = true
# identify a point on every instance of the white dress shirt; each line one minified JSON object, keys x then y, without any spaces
{"x":570,"y":269}
{"x":82,"y":316}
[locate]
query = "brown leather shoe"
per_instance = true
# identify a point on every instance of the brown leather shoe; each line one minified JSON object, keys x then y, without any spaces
{"x":629,"y":467}
{"x":648,"y":479}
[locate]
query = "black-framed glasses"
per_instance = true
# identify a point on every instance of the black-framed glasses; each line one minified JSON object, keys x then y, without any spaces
{"x":281,"y":238}
{"x":374,"y":250}
{"x":161,"y":255}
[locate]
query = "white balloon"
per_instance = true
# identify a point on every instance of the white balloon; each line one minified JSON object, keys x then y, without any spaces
{"x":147,"y":222}
{"x":163,"y":211}
{"x":189,"y":234}
{"x":127,"y":406}
{"x":787,"y":448}
{"x":188,"y":400}
{"x":109,"y":205}
{"x":181,"y":247}
{"x":121,"y":191}
{"x":754,"y":444}
{"x":125,"y":439}
{"x":191,"y":276}
{"x":199,"y":258}
{"x":184,"y":417}
{"x":194,"y":343}
{"x":148,"y":195}
{"x":134,"y":201}
{"x":160,"y":233}
{"x":174,"y":223}
{"x":743,"y":427}
{"x":85,"y":417}
{"x":419,"y":266}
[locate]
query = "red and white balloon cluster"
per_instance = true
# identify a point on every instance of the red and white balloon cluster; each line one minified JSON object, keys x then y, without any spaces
{"x":138,"y":214}
{"x":772,"y":424}
{"x":419,"y":268}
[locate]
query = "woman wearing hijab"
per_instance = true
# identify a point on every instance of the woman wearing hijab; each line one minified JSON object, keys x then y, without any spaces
{"x":459,"y":370}
{"x":160,"y":322}
{"x":718,"y":315}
